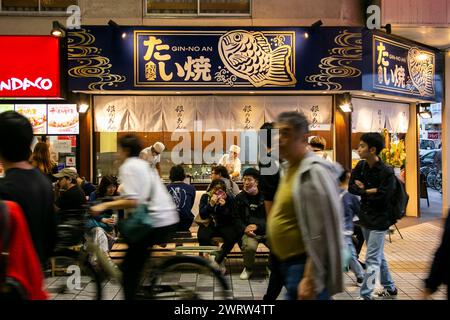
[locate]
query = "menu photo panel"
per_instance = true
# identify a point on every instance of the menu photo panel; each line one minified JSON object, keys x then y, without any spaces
{"x":36,"y":114}
{"x":63,"y":119}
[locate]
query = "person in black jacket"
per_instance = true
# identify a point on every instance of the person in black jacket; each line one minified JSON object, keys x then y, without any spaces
{"x":375,"y":183}
{"x":440,"y":269}
{"x":218,"y":206}
{"x":25,"y":184}
{"x":251,"y":219}
{"x":269,"y":166}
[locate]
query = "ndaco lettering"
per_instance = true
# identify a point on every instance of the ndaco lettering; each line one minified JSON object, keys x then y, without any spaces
{"x":13,"y":84}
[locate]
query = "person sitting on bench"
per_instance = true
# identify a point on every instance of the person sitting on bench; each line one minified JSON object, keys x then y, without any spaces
{"x":251,"y":219}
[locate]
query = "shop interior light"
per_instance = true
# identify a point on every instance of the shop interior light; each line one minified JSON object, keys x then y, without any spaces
{"x":58,"y":29}
{"x":425,"y":112}
{"x":346,"y":105}
{"x":306,"y":35}
{"x":82,"y":108}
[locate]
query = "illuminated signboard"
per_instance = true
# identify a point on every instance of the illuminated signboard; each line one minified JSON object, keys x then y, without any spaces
{"x":30,"y":67}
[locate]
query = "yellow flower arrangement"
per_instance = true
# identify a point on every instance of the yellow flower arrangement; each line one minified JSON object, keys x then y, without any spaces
{"x":395,"y":155}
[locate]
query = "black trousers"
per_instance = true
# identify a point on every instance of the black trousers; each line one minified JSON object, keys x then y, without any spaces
{"x":276,"y":280}
{"x":136,"y":256}
{"x":227,"y":232}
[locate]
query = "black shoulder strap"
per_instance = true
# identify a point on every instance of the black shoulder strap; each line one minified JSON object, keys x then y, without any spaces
{"x":4,"y":253}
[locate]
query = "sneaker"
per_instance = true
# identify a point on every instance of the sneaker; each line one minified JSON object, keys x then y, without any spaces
{"x":359,"y":281}
{"x":363,"y":298}
{"x":386,"y":293}
{"x":245,"y":275}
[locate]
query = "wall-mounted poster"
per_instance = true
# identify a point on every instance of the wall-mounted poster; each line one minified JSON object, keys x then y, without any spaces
{"x":37,"y":114}
{"x":6,"y":107}
{"x":63,"y":119}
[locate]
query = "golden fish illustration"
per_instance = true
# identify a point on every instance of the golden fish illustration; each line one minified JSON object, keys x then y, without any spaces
{"x":249,"y":56}
{"x":421,"y":70}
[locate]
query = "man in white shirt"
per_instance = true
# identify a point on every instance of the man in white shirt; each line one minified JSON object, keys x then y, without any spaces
{"x":152,"y":155}
{"x":232,"y":162}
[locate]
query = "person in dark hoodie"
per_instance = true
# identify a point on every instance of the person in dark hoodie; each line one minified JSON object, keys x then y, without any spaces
{"x":251,"y":219}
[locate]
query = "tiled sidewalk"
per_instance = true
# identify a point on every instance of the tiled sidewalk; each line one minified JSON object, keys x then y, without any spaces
{"x":409,"y":260}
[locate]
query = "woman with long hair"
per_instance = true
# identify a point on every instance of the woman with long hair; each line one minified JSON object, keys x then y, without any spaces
{"x":41,"y":160}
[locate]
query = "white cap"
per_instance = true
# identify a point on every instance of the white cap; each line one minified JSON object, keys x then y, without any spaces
{"x":159,"y":147}
{"x":73,"y":169}
{"x":235,"y":148}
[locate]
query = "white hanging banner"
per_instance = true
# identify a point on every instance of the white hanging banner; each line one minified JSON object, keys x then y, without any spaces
{"x":178,"y":113}
{"x":115,"y":114}
{"x":149,"y":112}
{"x":213,"y":113}
{"x":247,"y":113}
{"x":397,"y":120}
{"x":318,"y":110}
{"x":273,"y":106}
{"x":368,"y":116}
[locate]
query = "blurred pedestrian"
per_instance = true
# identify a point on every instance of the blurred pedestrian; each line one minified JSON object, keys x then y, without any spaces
{"x":440,"y":268}
{"x":304,"y":226}
{"x":140,"y":185}
{"x":25,"y":184}
{"x":351,"y":206}
{"x":269,"y":166}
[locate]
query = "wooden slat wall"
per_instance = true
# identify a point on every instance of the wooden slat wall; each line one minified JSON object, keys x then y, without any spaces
{"x":416,"y":12}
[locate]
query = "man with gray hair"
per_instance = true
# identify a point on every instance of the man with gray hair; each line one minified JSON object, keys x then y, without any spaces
{"x":304,"y":226}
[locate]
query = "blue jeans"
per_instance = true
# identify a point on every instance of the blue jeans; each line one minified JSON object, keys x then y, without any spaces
{"x":354,"y":264}
{"x":375,"y":263}
{"x":292,"y":273}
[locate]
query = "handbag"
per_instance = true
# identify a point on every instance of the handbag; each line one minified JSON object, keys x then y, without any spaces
{"x":138,"y":226}
{"x":200,"y":221}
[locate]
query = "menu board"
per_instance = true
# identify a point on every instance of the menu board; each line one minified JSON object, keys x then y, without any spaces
{"x":37,"y":114}
{"x":6,"y":107}
{"x":63,"y":119}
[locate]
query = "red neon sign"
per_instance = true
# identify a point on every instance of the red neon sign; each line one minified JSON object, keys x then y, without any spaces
{"x":29,"y":67}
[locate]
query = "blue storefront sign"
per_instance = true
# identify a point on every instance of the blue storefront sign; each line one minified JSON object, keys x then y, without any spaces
{"x":401,"y":67}
{"x":102,"y":58}
{"x":129,"y":58}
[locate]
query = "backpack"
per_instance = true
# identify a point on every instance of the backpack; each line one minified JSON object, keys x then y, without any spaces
{"x":398,"y":202}
{"x":10,"y":288}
